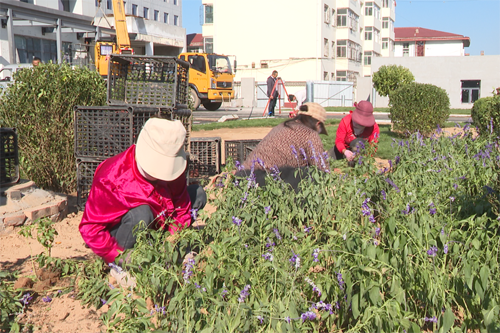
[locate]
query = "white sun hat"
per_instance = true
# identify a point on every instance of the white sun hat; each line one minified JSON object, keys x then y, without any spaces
{"x":160,"y":148}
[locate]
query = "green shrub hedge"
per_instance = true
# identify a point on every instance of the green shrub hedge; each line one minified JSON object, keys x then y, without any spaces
{"x":419,"y":107}
{"x":39,"y":104}
{"x":486,"y":114}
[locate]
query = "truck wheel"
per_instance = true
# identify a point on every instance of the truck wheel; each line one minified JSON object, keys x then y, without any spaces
{"x":194,"y":99}
{"x":212,"y":106}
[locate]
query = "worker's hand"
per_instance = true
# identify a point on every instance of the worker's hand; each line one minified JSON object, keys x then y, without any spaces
{"x":349,"y":155}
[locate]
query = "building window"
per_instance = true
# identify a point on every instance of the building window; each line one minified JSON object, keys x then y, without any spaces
{"x":341,"y":50}
{"x":134,"y":10}
{"x":333,"y":49}
{"x":368,"y":58}
{"x":332,"y":78}
{"x":376,"y":11}
{"x":341,"y":75}
{"x":175,"y":2}
{"x":353,"y":21}
{"x":327,"y":13}
{"x":209,"y":14}
{"x":385,"y":23}
{"x":385,"y":3}
{"x":27,"y":48}
{"x":368,"y":33}
{"x":176,"y":20}
{"x":209,"y":44}
{"x":354,"y":51}
{"x":156,"y":14}
{"x":109,"y":5}
{"x":165,"y":18}
{"x":333,"y":15}
{"x":146,"y":13}
{"x":406,"y":49}
{"x":369,"y":9}
{"x":470,"y":90}
{"x":326,"y":48}
{"x":342,"y":17}
{"x":325,"y":76}
{"x":376,"y":35}
{"x":385,"y":43}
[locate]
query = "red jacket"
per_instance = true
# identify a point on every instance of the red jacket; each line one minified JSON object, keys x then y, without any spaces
{"x":118,"y":187}
{"x":345,"y":133}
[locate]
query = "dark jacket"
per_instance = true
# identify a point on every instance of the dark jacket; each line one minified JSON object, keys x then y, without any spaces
{"x":270,"y":84}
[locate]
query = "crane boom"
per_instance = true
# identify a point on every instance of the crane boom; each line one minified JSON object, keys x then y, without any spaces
{"x":122,"y":37}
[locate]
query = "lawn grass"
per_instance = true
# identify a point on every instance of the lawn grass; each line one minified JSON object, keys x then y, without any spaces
{"x":347,"y":108}
{"x":244,"y":123}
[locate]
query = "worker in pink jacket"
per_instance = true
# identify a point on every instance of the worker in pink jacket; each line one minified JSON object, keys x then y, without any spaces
{"x":358,"y":125}
{"x":147,"y":182}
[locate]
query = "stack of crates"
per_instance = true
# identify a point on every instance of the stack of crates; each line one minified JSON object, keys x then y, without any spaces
{"x":238,"y":150}
{"x":9,"y":157}
{"x":138,"y":88}
{"x":204,"y":158}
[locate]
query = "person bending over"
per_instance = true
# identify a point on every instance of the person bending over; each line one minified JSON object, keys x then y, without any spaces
{"x":358,"y":125}
{"x":147,"y":182}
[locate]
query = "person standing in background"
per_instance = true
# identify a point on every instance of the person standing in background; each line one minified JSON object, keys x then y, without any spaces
{"x":273,"y":95}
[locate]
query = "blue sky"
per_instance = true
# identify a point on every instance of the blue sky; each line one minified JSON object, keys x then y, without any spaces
{"x":477,"y":19}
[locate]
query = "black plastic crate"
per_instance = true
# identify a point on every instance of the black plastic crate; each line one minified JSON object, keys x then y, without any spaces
{"x":85,"y":170}
{"x":204,"y":157}
{"x":104,"y":131}
{"x":147,"y":80}
{"x":237,"y":149}
{"x":9,"y":156}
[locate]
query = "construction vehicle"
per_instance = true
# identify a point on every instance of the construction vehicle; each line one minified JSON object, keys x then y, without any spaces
{"x":210,"y":79}
{"x":103,"y":49}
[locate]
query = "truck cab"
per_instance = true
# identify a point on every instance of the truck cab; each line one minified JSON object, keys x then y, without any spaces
{"x":210,"y":79}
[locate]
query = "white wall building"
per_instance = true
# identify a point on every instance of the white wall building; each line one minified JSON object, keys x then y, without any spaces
{"x":320,"y":40}
{"x":65,"y":30}
{"x":421,"y":42}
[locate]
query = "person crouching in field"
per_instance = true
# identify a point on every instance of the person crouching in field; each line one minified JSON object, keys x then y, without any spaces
{"x":147,"y":182}
{"x":292,"y":144}
{"x":358,"y":125}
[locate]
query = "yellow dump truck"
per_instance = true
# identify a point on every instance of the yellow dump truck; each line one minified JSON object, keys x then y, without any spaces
{"x":210,"y":79}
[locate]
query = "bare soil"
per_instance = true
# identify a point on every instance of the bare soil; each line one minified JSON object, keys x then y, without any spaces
{"x":64,"y":313}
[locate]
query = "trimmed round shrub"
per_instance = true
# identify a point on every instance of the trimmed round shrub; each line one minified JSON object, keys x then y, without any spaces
{"x":39,"y":104}
{"x":389,"y":78}
{"x":418,"y":107}
{"x":486,"y":115}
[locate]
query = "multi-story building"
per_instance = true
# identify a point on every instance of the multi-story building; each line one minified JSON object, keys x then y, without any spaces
{"x":64,"y":30}
{"x":332,"y":40}
{"x":421,"y":42}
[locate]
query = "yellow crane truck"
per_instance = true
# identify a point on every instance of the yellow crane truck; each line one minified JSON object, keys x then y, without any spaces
{"x":210,"y":79}
{"x":103,"y":50}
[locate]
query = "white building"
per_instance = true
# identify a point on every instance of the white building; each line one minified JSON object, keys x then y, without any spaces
{"x":320,"y":40}
{"x":64,"y":30}
{"x":421,"y":42}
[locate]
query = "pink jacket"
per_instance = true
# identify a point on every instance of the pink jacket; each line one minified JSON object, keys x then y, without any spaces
{"x":118,"y":187}
{"x":345,"y":133}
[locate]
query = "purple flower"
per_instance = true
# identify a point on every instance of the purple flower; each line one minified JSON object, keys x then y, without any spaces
{"x":188,"y":269}
{"x":261,"y":163}
{"x":26,"y":299}
{"x":433,"y":319}
{"x":244,"y":294}
{"x":277,"y":233}
{"x":432,"y":251}
{"x":295,"y":259}
{"x":309,"y":315}
{"x":275,"y":173}
{"x":445,"y":249}
{"x":371,"y":218}
{"x":267,"y":209}
{"x":407,"y":210}
{"x":307,"y":229}
{"x":365,"y":209}
{"x":303,"y":152}
{"x":294,"y":152}
{"x":261,"y":319}
{"x":315,"y":255}
{"x":103,"y":301}
{"x":239,"y":166}
{"x":377,"y":231}
{"x":390,"y":182}
{"x":224,"y":293}
{"x":194,"y":214}
{"x":340,"y":280}
{"x":236,"y":221}
{"x":360,"y":160}
{"x":384,"y":195}
{"x":288,"y":319}
{"x":397,"y":160}
{"x":270,"y":243}
{"x":47,"y":299}
{"x":452,"y":199}
{"x":268,"y":256}
{"x":433,"y":209}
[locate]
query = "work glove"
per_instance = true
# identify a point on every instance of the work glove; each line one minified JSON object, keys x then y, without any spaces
{"x":349,"y":155}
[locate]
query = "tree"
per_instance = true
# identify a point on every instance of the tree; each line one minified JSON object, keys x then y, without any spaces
{"x":389,"y":78}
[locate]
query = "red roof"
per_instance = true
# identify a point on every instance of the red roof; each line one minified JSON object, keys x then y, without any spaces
{"x":422,"y":34}
{"x":194,"y":39}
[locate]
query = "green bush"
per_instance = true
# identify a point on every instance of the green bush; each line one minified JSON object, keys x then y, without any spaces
{"x":389,"y":78}
{"x":39,"y":104}
{"x":486,"y":113}
{"x":419,"y":107}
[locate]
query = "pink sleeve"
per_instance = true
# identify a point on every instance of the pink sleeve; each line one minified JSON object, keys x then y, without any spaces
{"x":341,"y":134}
{"x":98,"y":219}
{"x":182,"y":204}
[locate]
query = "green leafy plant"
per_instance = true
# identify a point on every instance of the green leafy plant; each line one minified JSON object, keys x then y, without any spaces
{"x":39,"y":104}
{"x":485,"y":115}
{"x":45,"y":233}
{"x":419,"y":107}
{"x":390,"y":77}
{"x":10,"y":304}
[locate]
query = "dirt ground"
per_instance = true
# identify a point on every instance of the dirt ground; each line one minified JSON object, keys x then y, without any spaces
{"x":65,"y":314}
